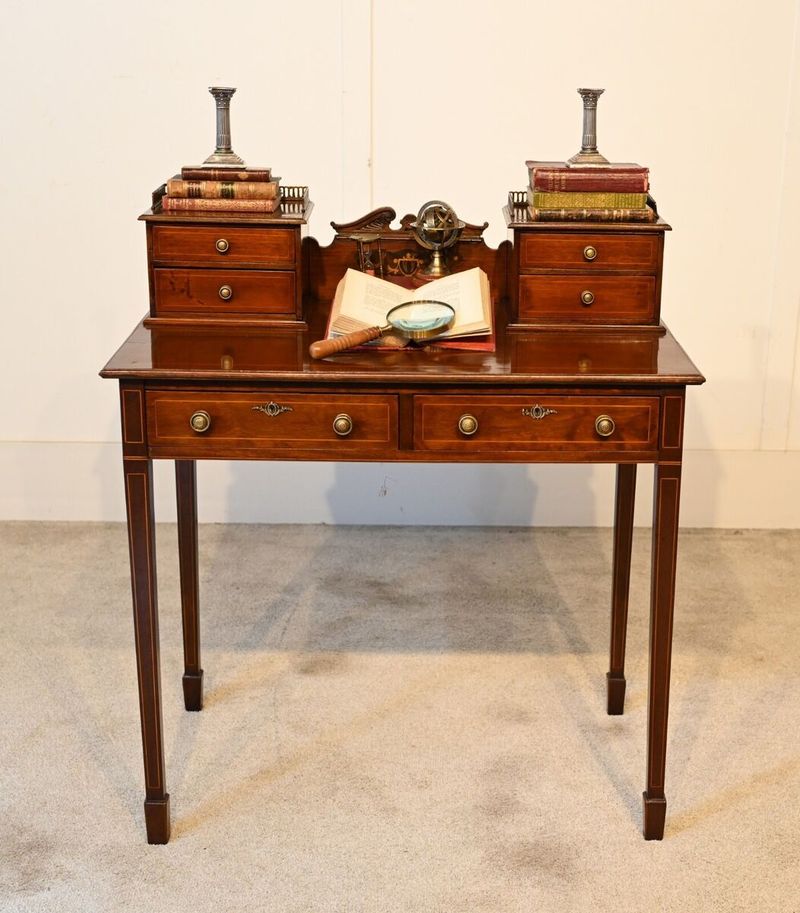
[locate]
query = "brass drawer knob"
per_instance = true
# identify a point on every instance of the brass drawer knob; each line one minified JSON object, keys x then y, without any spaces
{"x":225,"y":292}
{"x":222,"y":245}
{"x":200,"y":421}
{"x":589,"y":252}
{"x":343,"y":424}
{"x":604,"y":425}
{"x":587,"y":297}
{"x":468,"y":424}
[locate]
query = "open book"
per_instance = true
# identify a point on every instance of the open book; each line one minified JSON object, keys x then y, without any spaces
{"x":363,"y":301}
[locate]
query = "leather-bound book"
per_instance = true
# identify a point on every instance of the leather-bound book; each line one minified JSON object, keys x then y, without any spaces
{"x":593,"y":215}
{"x":194,"y":204}
{"x":200,"y":173}
{"x":622,"y":177}
{"x":223,"y":190}
{"x":572,"y":199}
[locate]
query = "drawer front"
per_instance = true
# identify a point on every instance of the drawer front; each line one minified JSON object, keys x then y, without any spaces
{"x":593,"y":252}
{"x":233,"y":349}
{"x":588,"y":299}
{"x":223,"y":246}
{"x":218,"y":292}
{"x":518,"y":423}
{"x":271,"y":421}
{"x":583,"y":353}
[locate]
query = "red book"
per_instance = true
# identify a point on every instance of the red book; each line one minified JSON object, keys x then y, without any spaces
{"x":622,"y":177}
{"x":199,"y":173}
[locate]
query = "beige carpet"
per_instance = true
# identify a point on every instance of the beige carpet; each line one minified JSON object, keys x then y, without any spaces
{"x":398,"y":720}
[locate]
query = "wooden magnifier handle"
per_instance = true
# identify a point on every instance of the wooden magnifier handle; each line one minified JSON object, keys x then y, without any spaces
{"x":323,"y":347}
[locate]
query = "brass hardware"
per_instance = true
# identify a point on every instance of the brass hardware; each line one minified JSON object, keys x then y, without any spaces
{"x":587,"y":297}
{"x":200,"y":421}
{"x":537,"y":412}
{"x":343,"y":424}
{"x":468,"y":424}
{"x":225,"y":292}
{"x":604,"y":425}
{"x":589,"y":252}
{"x":405,"y":265}
{"x":222,"y":246}
{"x":226,"y":362}
{"x":272,"y":409}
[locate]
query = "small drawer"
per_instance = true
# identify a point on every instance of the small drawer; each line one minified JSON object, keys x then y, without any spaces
{"x":216,"y":292}
{"x":591,"y":251}
{"x":519,"y":423}
{"x":271,"y":421}
{"x":223,"y":246}
{"x":582,"y":352}
{"x":234,"y":349}
{"x":588,"y":299}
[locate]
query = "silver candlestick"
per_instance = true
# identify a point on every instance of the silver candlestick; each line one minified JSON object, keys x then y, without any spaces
{"x":223,"y":156}
{"x":589,"y":154}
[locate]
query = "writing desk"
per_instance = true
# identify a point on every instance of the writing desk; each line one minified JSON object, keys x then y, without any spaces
{"x":556,"y":395}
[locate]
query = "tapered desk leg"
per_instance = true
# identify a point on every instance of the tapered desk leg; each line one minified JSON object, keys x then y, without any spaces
{"x":623,"y":540}
{"x":662,"y":599}
{"x":186,"y":487}
{"x":141,"y":538}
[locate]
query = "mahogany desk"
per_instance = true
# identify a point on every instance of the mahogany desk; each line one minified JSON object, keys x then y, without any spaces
{"x":544,"y":395}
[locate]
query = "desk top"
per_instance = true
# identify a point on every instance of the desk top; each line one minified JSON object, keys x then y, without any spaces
{"x":536,"y":356}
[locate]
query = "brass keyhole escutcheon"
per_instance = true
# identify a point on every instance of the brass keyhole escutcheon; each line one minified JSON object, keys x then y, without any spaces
{"x":468,"y":424}
{"x":343,"y":424}
{"x":225,"y":292}
{"x":587,"y":297}
{"x":200,"y":421}
{"x":604,"y":425}
{"x":222,"y":245}
{"x":589,"y":252}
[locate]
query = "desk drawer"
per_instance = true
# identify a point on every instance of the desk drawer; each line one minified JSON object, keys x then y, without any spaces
{"x":218,"y":292}
{"x":271,"y":421}
{"x":538,"y":423}
{"x":593,"y":252}
{"x":588,"y":299}
{"x":223,"y":246}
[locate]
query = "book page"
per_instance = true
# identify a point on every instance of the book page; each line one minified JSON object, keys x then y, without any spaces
{"x":468,"y":294}
{"x":364,"y":301}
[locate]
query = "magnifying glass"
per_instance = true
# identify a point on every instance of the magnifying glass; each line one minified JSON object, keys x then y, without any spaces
{"x":416,"y":320}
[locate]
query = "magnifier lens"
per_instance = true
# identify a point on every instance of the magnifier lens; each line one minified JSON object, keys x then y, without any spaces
{"x":416,"y":316}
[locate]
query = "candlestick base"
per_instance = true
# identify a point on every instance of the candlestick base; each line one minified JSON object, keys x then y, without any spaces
{"x":588,"y":158}
{"x":224,"y":160}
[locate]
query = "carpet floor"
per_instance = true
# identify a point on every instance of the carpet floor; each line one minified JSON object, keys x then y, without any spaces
{"x":398,"y":719}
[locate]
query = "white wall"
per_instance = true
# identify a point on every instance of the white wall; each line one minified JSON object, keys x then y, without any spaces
{"x":394,"y":103}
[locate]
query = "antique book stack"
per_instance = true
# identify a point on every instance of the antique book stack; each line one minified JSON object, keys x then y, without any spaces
{"x":616,"y":192}
{"x":203,"y":188}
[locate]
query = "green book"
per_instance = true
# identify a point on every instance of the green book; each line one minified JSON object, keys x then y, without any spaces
{"x":585,"y":199}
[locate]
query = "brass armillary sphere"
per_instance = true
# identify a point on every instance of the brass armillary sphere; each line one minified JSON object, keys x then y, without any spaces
{"x":437,"y":228}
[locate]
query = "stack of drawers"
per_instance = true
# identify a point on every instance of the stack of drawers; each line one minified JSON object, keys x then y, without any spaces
{"x":588,"y":274}
{"x":237,"y":266}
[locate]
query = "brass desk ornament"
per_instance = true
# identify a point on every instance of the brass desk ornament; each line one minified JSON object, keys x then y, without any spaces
{"x":366,"y":255}
{"x":223,"y":156}
{"x":437,"y":228}
{"x":589,"y":154}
